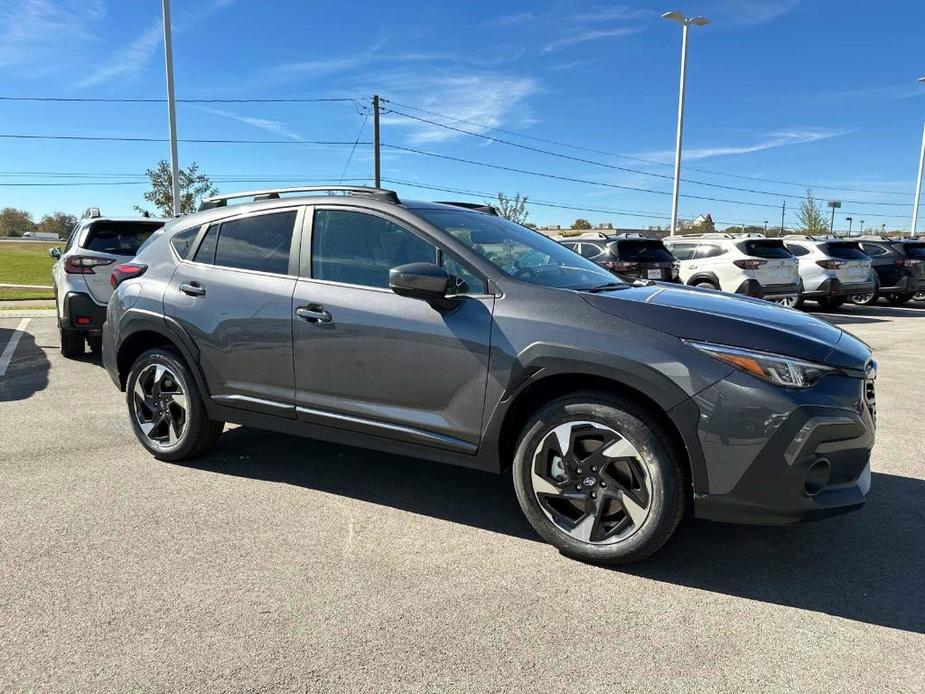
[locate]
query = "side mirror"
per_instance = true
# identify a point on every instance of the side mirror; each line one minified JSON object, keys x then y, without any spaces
{"x":425,"y":281}
{"x":54,"y":253}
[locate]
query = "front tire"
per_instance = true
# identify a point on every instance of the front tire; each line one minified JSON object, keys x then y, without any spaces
{"x":166,"y":408}
{"x":599,"y":479}
{"x":899,"y":299}
{"x":830,"y":304}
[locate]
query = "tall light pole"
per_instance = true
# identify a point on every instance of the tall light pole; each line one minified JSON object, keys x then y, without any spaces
{"x":685,"y":23}
{"x":918,"y":180}
{"x":861,"y":231}
{"x":171,"y":110}
{"x":850,"y":221}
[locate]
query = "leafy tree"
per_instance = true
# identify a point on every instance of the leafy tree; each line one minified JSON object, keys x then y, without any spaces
{"x":59,"y":223}
{"x":15,"y":222}
{"x":194,"y":186}
{"x":514,"y":208}
{"x":812,"y":218}
{"x":581,"y":223}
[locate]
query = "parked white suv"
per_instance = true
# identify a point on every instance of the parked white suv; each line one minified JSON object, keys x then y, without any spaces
{"x":832,"y":269}
{"x":81,"y":274}
{"x":742,"y":264}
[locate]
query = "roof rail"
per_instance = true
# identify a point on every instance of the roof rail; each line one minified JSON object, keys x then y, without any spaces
{"x":630,"y":235}
{"x":476,"y":206}
{"x":272,"y":194}
{"x":873,"y":237}
{"x":91,"y":213}
{"x":800,"y":237}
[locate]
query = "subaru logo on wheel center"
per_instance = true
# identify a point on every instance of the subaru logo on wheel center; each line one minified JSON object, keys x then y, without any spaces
{"x":589,"y":481}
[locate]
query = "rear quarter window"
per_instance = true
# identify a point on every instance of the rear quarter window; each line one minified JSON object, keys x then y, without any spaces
{"x":764,"y":248}
{"x":119,"y":238}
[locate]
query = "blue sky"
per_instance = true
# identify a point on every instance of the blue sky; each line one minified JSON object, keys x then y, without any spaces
{"x":781,"y":93}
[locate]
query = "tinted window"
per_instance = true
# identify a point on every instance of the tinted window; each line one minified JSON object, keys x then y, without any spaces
{"x":797,"y":250}
{"x":119,"y":238}
{"x":642,"y":251}
{"x":845,"y":251}
{"x":764,"y":248}
{"x":683,"y":251}
{"x":183,"y":241}
{"x":258,"y":243}
{"x":872,"y":249}
{"x":517,"y":251}
{"x":708,"y":250}
{"x":915,"y":250}
{"x":206,"y":251}
{"x":590,"y":250}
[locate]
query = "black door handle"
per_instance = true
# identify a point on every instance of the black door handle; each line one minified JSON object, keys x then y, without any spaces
{"x":192,"y":289}
{"x":313,"y":313}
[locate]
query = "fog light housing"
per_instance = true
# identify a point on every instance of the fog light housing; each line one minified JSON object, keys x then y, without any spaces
{"x":817,"y":476}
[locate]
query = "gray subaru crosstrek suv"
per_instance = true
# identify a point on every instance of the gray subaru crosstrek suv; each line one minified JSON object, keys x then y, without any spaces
{"x":448,"y":333}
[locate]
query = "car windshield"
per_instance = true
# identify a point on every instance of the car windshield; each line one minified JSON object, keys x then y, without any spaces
{"x":119,"y":238}
{"x":642,"y":251}
{"x":520,"y":252}
{"x":765,"y":248}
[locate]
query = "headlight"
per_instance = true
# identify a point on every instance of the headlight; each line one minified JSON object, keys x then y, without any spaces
{"x":773,"y":368}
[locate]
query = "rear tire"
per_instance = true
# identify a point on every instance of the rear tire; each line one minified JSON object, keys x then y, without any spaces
{"x":867,"y":299}
{"x":612,"y":509}
{"x":72,"y":343}
{"x":831,"y":304}
{"x":898,"y":299}
{"x":918,"y":296}
{"x":705,"y":284}
{"x":166,"y":409}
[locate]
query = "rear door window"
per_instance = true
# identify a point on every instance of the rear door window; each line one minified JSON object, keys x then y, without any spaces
{"x":708,"y":250}
{"x":764,"y":248}
{"x":845,"y":251}
{"x":119,"y":238}
{"x":589,"y":250}
{"x":643,"y":251}
{"x":260,"y":242}
{"x":797,"y":250}
{"x":683,"y":251}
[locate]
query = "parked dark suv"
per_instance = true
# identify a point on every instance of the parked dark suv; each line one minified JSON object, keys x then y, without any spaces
{"x":432,"y":330}
{"x":900,"y":268}
{"x":627,"y":255}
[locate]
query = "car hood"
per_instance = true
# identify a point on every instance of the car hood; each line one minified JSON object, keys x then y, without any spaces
{"x":730,"y":319}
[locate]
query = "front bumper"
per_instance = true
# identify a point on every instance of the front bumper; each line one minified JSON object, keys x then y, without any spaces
{"x":795,"y":456}
{"x":832,"y":288}
{"x":757,"y":290}
{"x":81,"y":312}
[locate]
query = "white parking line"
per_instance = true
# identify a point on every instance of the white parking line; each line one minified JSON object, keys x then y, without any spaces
{"x":7,"y":355}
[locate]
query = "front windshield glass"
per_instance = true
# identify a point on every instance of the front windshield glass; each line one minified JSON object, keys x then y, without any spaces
{"x":519,"y":252}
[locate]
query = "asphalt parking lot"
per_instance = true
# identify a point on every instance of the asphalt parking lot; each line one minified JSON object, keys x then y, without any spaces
{"x":278,"y":563}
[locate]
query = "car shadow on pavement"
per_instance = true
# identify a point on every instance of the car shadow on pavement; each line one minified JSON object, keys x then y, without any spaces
{"x":447,"y":492}
{"x":867,"y":566}
{"x":850,"y":314}
{"x":27,"y":371}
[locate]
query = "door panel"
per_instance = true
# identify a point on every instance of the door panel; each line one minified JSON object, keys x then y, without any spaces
{"x":394,"y":360}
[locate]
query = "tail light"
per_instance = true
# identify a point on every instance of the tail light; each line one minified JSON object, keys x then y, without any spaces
{"x":126,"y":271}
{"x":749,"y":264}
{"x":907,"y":262}
{"x":830,"y":264}
{"x":84,"y":264}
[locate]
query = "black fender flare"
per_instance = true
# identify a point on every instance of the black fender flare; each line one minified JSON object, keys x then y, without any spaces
{"x":701,"y":276}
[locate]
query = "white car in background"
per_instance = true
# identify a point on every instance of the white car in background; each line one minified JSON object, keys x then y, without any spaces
{"x":81,"y":274}
{"x":747,"y":264}
{"x":832,"y":269}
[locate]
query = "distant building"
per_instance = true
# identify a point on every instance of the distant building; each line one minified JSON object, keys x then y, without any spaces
{"x":606,"y":229}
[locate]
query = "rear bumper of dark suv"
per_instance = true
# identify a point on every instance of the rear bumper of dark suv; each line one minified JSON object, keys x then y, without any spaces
{"x":802,"y":461}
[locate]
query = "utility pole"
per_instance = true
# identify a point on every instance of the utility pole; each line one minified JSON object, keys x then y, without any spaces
{"x":783,"y":211}
{"x":918,"y":187}
{"x":377,"y":162}
{"x":171,"y":110}
{"x":861,"y":232}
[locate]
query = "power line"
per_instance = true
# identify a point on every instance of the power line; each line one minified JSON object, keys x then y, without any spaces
{"x":95,"y":138}
{"x":623,"y":168}
{"x":102,"y":100}
{"x":354,"y":148}
{"x":643,"y":160}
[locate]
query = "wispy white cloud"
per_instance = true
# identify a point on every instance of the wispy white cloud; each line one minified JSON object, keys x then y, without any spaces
{"x":515,"y":19}
{"x":127,"y":60}
{"x":486,"y":98}
{"x":773,"y":140}
{"x":755,"y":11}
{"x":272,"y":126}
{"x":594,"y":35}
{"x":31,"y":29}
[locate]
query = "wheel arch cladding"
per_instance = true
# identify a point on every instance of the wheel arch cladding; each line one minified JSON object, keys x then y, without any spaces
{"x":544,"y":390}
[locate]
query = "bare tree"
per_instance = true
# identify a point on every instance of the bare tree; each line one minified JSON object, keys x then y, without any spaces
{"x":514,"y":208}
{"x":194,"y":186}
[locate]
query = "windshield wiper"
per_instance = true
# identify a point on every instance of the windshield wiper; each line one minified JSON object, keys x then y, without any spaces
{"x":606,"y":287}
